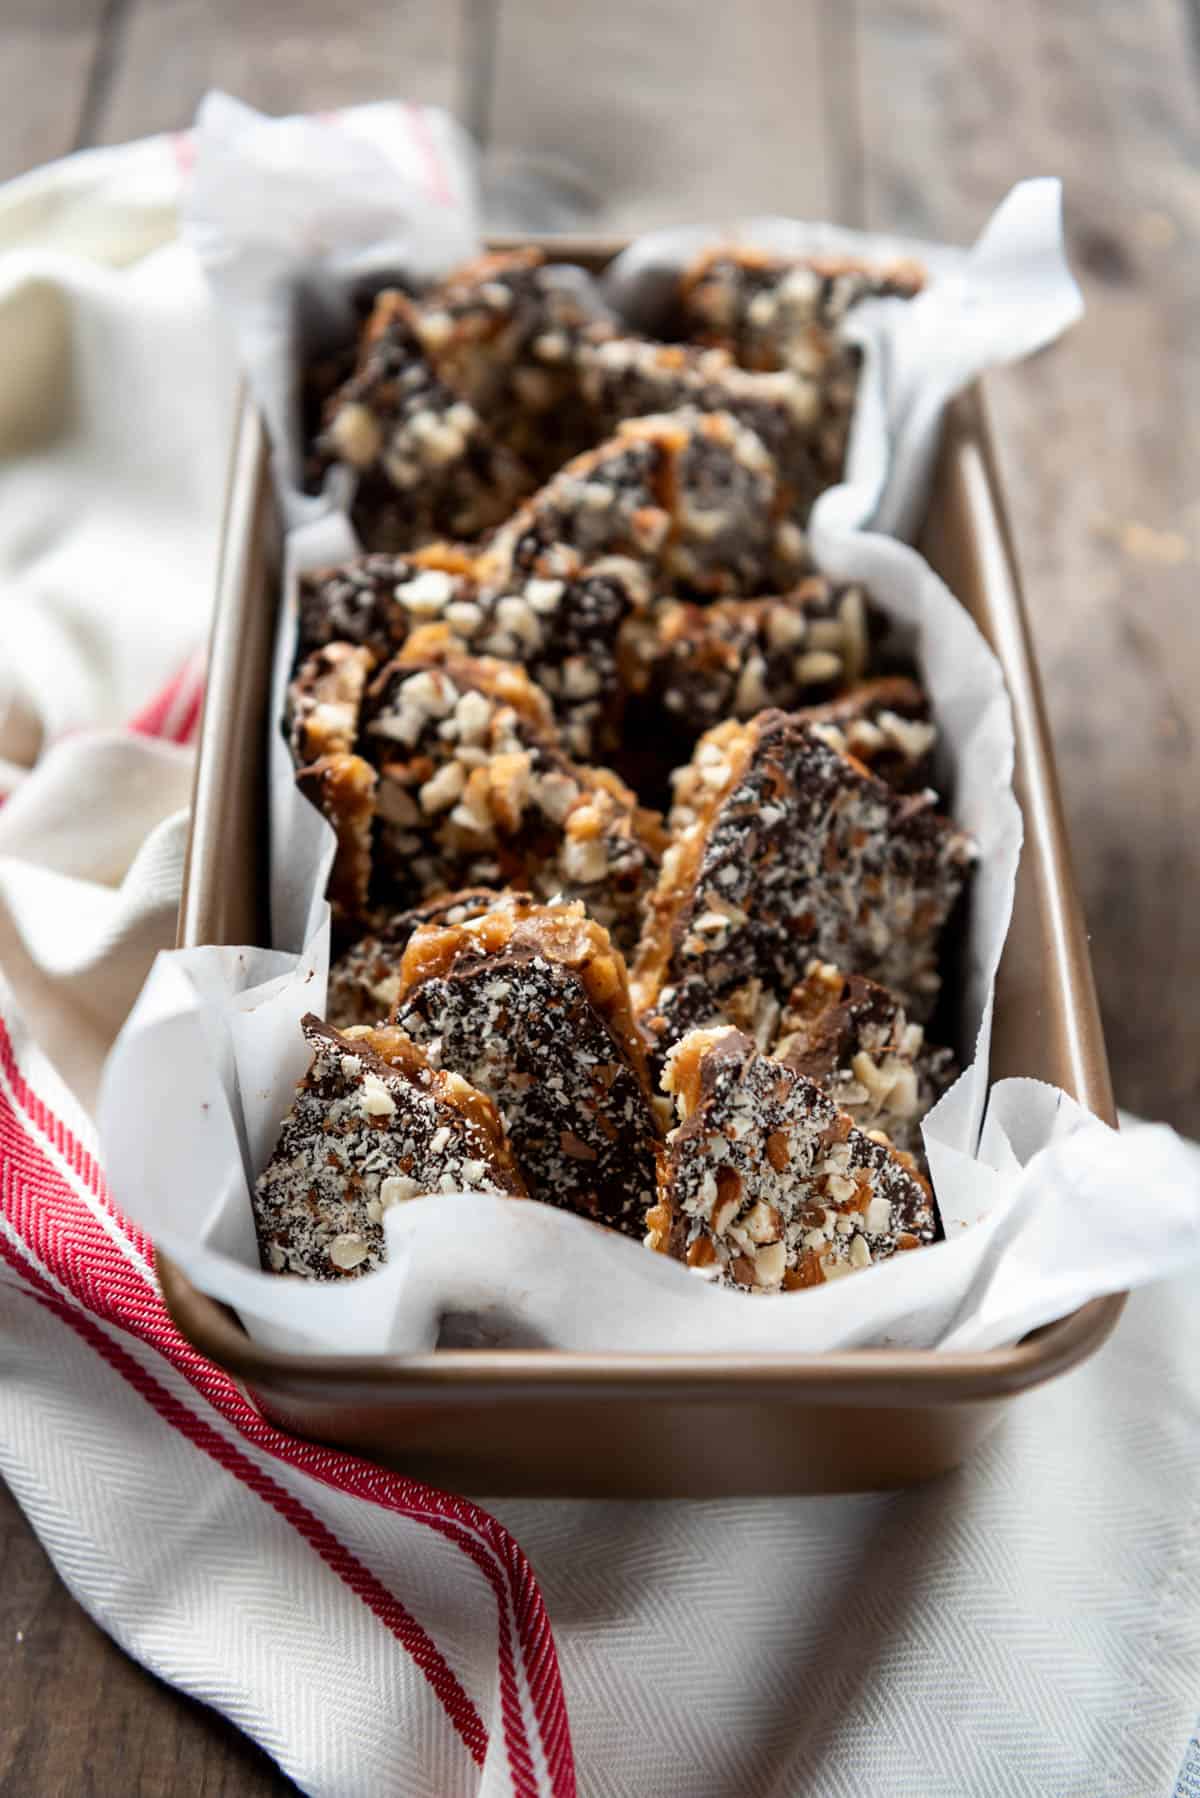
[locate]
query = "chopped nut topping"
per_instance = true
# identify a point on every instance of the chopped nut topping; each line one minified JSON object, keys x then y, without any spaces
{"x":376,"y":1100}
{"x":347,"y":1251}
{"x":756,"y":1148}
{"x":361,"y":1136}
{"x":456,"y":705}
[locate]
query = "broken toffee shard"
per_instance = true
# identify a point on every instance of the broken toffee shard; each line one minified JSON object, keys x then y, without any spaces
{"x":769,"y":1186}
{"x":531,"y":1005}
{"x":372,"y":1124}
{"x":794,"y":851}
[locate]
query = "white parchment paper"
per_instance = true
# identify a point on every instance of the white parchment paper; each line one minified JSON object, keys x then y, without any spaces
{"x":1034,"y":1193}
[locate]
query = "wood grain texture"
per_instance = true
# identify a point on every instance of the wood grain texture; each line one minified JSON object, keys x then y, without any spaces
{"x":656,"y":112}
{"x":279,"y":55}
{"x":40,"y":119}
{"x":78,"y":1719}
{"x":1099,"y":440}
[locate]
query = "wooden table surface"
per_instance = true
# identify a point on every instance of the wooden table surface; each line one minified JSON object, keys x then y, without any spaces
{"x":915,"y":115}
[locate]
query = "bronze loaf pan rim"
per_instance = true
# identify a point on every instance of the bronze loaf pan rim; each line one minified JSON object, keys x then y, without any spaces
{"x":865,"y":1376}
{"x":855,"y":1377}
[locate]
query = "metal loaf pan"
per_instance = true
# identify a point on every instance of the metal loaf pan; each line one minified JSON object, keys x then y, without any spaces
{"x":618,"y":1425}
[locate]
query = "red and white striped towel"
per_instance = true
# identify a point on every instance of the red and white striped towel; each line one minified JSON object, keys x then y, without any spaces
{"x":372,"y":1633}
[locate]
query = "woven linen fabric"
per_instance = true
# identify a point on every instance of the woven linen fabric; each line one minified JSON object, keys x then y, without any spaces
{"x":1029,"y":1625}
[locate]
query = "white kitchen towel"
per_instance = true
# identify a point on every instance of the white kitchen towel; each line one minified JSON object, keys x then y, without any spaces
{"x":376,"y":1636}
{"x":1030,"y":1625}
{"x":373,"y":1634}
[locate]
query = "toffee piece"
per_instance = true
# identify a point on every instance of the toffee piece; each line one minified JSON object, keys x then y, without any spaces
{"x":883,"y":724}
{"x":629,"y":377}
{"x":372,"y":1125}
{"x":793,"y":852}
{"x":428,"y":465}
{"x":504,"y":331}
{"x":769,"y":1186}
{"x":364,"y":980}
{"x":476,"y":791}
{"x":774,"y":312}
{"x":564,"y":630}
{"x":695,"y":497}
{"x":377,"y":600}
{"x":735,"y":657}
{"x":451,"y":737}
{"x":344,"y":787}
{"x":763,"y":309}
{"x":855,"y":1040}
{"x":324,"y":700}
{"x":531,"y":1005}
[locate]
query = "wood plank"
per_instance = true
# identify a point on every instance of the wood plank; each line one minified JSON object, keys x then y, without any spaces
{"x":656,"y":112}
{"x":1099,"y":439}
{"x":76,"y":1715}
{"x":40,"y":119}
{"x":279,"y":55}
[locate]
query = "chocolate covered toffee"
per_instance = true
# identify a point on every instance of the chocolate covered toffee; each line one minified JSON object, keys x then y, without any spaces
{"x":586,"y":599}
